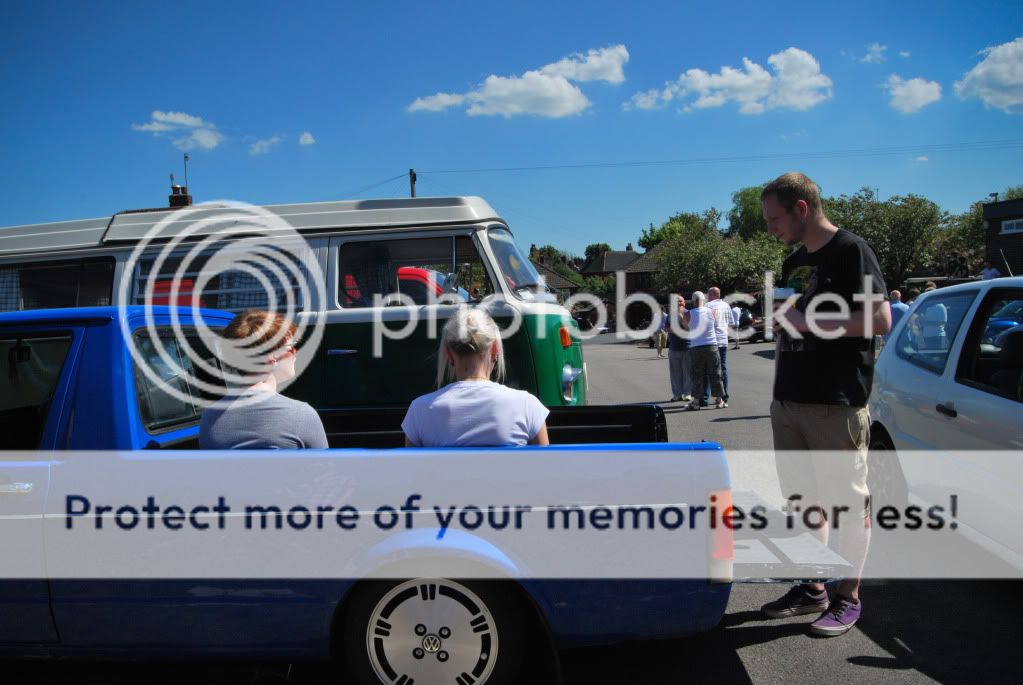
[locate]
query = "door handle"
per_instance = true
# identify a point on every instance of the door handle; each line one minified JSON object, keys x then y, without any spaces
{"x":341,"y":353}
{"x":947,"y":411}
{"x":15,"y":488}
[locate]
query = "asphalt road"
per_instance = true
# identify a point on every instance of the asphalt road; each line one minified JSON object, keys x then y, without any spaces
{"x":911,"y":632}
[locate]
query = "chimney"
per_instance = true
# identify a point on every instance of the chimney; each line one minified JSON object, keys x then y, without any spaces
{"x":179,"y":196}
{"x":628,"y":248}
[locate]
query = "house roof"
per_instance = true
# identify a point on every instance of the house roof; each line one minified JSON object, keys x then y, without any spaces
{"x":553,"y":279}
{"x":647,"y":262}
{"x":610,"y":262}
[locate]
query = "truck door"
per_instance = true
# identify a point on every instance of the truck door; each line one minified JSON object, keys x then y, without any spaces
{"x":34,"y":372}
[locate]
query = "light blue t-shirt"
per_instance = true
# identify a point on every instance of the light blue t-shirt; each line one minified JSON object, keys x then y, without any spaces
{"x":474,"y":414}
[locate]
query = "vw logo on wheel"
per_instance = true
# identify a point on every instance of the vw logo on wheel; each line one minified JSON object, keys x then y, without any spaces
{"x":431,"y":643}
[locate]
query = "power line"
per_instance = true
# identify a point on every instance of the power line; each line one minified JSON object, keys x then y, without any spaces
{"x":364,"y":189}
{"x":826,"y":154}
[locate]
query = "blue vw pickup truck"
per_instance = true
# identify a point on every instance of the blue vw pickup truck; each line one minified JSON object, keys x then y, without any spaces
{"x":70,"y":387}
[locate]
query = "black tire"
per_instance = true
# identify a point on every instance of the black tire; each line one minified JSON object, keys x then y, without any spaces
{"x":483,"y":616}
{"x":885,"y":480}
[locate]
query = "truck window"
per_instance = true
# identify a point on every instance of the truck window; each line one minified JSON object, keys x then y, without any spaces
{"x":159,"y":406}
{"x":232,"y":289}
{"x":31,"y":369}
{"x":47,"y":285}
{"x":519,"y":273}
{"x":422,"y":269}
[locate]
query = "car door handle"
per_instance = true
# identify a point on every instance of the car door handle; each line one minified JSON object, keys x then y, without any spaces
{"x":15,"y":488}
{"x":947,"y":411}
{"x":341,"y":353}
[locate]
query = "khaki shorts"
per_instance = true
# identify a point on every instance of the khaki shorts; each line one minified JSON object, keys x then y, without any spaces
{"x":821,"y":454}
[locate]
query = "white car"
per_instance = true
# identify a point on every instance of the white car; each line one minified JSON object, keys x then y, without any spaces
{"x":951,"y":378}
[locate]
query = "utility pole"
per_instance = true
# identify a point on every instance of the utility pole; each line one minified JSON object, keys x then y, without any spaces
{"x":412,"y":181}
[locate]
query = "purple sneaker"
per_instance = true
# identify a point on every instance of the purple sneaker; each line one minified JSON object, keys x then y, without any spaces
{"x":798,"y":600}
{"x":838,"y":619}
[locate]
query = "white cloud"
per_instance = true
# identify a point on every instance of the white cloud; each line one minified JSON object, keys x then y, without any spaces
{"x":921,"y":158}
{"x":190,"y":132}
{"x":549,"y":91}
{"x":998,"y":79}
{"x":263,"y":146}
{"x":200,"y":138}
{"x":436,"y":103}
{"x":797,"y":83}
{"x":905,"y":53}
{"x":607,"y":64}
{"x":875,"y":54}
{"x":306,"y":138}
{"x":912,"y":95}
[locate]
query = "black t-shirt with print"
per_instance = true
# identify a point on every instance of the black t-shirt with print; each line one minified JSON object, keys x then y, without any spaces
{"x":815,"y":370}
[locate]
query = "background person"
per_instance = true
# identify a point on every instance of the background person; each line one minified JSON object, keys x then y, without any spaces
{"x":678,"y":361}
{"x":703,"y":351}
{"x":899,"y":308}
{"x":821,"y":387}
{"x":473,"y":410}
{"x":256,"y":416}
{"x":723,"y":321}
{"x":661,"y":334}
{"x":989,"y":271}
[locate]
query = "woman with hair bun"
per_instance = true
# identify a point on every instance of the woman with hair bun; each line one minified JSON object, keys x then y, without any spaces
{"x":472,"y":409}
{"x":260,"y":349}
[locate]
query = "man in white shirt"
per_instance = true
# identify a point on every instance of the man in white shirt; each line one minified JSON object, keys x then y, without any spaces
{"x":703,"y":350}
{"x":723,"y":319}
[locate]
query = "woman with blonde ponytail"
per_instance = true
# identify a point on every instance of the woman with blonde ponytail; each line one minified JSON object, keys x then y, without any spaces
{"x":472,"y":409}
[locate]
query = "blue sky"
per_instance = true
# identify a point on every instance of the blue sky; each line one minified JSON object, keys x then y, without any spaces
{"x":102,"y":98}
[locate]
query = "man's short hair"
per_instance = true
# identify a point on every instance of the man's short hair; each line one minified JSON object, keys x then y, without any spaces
{"x":790,"y":188}
{"x":698,"y":297}
{"x":895,"y":295}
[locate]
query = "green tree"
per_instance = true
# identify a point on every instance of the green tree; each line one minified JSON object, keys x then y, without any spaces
{"x":601,"y":286}
{"x":680,"y":224}
{"x":696,"y":259}
{"x":746,"y":217}
{"x":568,"y":272}
{"x":594,"y":250}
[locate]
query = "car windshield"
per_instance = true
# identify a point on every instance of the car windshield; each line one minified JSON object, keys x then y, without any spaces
{"x":519,"y":273}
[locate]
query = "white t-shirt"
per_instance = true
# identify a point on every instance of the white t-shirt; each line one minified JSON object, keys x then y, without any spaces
{"x":722,"y":313}
{"x":701,"y":327}
{"x":474,"y":413}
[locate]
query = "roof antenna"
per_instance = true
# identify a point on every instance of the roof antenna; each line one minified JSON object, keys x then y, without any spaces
{"x":186,"y":171}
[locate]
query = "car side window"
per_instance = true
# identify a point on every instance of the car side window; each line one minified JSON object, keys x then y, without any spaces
{"x":29,"y":372}
{"x":420,"y":269}
{"x":171,"y":399}
{"x":992,"y":359}
{"x":931,"y":328}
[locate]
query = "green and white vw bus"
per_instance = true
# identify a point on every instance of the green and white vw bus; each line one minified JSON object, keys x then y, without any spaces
{"x":389,"y":274}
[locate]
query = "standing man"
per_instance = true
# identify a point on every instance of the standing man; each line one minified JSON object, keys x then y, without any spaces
{"x":703,"y":351}
{"x":736,"y":316}
{"x":678,"y":358}
{"x":661,"y":334}
{"x":821,"y":386}
{"x":898,"y":308}
{"x":723,"y":320}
